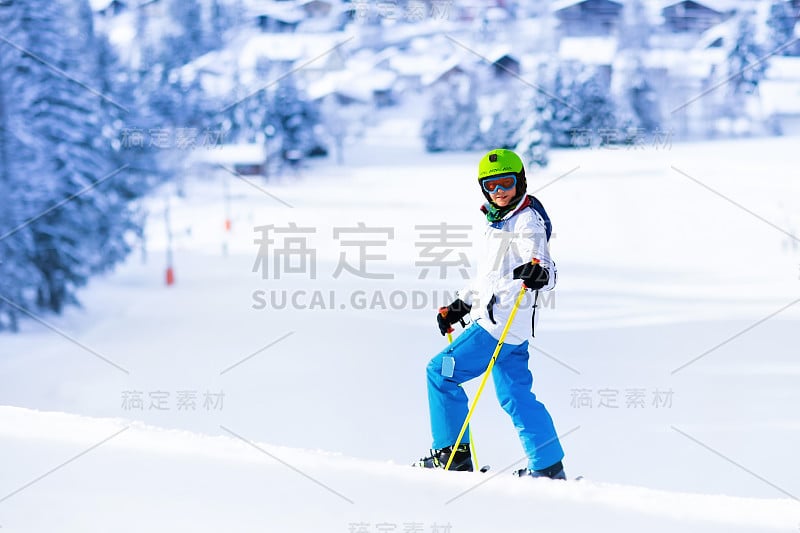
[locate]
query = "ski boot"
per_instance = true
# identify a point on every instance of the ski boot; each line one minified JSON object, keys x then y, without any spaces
{"x":462,"y":460}
{"x":553,"y":472}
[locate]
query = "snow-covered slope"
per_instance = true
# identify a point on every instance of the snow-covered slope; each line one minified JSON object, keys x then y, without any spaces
{"x":74,"y":473}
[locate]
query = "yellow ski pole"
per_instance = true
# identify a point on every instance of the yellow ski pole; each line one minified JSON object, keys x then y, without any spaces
{"x":486,"y":374}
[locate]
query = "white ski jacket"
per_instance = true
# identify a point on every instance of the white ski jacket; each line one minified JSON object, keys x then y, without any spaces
{"x":519,"y":237}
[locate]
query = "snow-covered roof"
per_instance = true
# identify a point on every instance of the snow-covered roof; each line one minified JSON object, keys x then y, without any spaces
{"x":784,"y":68}
{"x":453,"y":62}
{"x":377,"y":80}
{"x":255,"y":55}
{"x":231,"y":154}
{"x":280,"y":47}
{"x":726,"y":31}
{"x":720,"y":6}
{"x":99,"y":5}
{"x":415,"y":64}
{"x":249,"y":49}
{"x":364,"y":58}
{"x":690,"y":64}
{"x":496,"y":14}
{"x":562,"y":4}
{"x":780,"y":97}
{"x":357,"y":84}
{"x":405,"y":33}
{"x":589,"y":50}
{"x":531,"y":61}
{"x":498,"y":52}
{"x":286,"y":11}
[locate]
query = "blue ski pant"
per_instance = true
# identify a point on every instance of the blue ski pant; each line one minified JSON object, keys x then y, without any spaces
{"x":513,"y":381}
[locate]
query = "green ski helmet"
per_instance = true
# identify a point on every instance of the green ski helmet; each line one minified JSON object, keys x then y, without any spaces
{"x":502,"y":161}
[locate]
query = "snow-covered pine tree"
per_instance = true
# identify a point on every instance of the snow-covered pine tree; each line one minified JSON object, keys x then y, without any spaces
{"x":169,"y":100}
{"x":67,"y":218}
{"x":17,"y":161}
{"x":86,"y":233}
{"x":644,"y":101}
{"x":507,"y":114}
{"x":782,"y":21}
{"x":746,"y":65}
{"x":517,"y":122}
{"x":335,"y":123}
{"x":745,"y":68}
{"x":453,"y":122}
{"x":223,"y":15}
{"x":293,"y":122}
{"x":122,"y":111}
{"x":532,"y":139}
{"x":582,"y":108}
{"x":189,"y":41}
{"x":638,"y":106}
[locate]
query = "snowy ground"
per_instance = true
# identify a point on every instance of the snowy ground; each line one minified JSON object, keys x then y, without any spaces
{"x":669,"y":294}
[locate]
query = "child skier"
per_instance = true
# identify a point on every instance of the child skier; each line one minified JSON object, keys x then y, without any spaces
{"x":517,"y":232}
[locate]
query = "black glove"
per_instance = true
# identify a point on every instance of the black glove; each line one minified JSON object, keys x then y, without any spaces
{"x":533,"y":275}
{"x":455,"y":312}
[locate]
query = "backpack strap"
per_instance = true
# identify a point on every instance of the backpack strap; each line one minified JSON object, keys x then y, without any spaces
{"x":537,"y":206}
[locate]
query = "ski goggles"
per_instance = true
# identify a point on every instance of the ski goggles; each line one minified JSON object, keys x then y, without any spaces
{"x":504,"y":182}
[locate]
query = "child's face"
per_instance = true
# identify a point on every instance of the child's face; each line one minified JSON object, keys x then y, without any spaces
{"x":502,"y":198}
